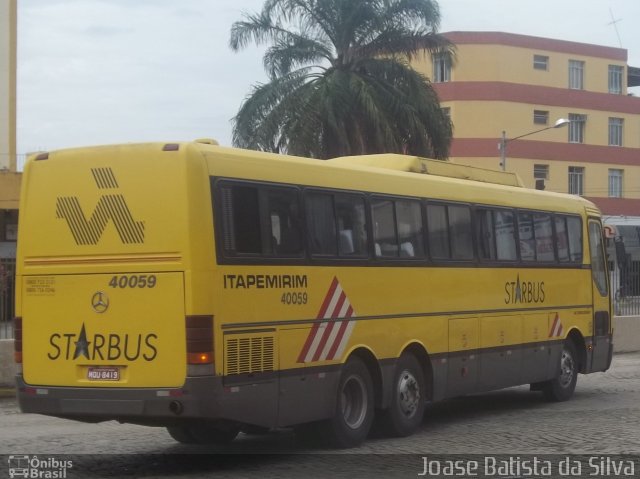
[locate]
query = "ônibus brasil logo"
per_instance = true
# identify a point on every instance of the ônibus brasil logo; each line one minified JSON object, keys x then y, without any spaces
{"x":33,"y":466}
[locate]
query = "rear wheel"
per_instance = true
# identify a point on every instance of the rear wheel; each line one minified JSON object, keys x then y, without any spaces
{"x":353,"y":416}
{"x":408,"y":398}
{"x":561,"y":387}
{"x":203,"y":434}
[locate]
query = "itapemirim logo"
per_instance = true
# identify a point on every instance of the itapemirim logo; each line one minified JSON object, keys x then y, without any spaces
{"x":110,"y":207}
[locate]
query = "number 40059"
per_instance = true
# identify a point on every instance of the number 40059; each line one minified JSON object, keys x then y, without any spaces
{"x":134,"y":281}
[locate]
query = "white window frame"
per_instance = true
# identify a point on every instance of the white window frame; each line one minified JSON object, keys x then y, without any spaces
{"x":616,"y":179}
{"x":541,"y":62}
{"x":616,"y":128}
{"x":540,"y":117}
{"x":441,"y":68}
{"x":616,"y":75}
{"x":576,"y":180}
{"x":577,"y":127}
{"x":576,"y":74}
{"x":540,"y":172}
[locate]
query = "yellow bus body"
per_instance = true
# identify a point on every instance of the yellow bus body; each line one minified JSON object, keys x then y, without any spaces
{"x":117,"y":250}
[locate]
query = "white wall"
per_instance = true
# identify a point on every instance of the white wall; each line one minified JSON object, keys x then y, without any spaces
{"x":7,"y":365}
{"x":6,"y":122}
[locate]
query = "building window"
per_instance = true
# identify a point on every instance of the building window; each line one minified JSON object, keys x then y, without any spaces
{"x":540,"y":62}
{"x":541,"y":172}
{"x":576,"y":128}
{"x":576,"y":180}
{"x":615,"y":183}
{"x":615,"y":79}
{"x":441,"y":68}
{"x":540,"y":117}
{"x":576,"y":74}
{"x":615,"y":131}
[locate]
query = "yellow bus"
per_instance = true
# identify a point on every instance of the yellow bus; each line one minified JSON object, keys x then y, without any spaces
{"x":211,"y":290}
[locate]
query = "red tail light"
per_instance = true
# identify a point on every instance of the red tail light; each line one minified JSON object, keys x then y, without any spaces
{"x":199,"y":339}
{"x":17,"y":343}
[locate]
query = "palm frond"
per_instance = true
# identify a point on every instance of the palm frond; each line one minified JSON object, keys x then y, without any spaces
{"x":340,"y":78}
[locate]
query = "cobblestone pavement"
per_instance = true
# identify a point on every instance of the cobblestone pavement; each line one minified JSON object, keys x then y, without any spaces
{"x":602,"y":418}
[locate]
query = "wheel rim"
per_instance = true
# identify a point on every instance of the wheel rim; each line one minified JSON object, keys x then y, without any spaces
{"x":408,"y":394}
{"x":567,"y":368}
{"x":354,"y":401}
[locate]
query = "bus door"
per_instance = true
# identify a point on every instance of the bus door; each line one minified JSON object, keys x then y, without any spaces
{"x":601,"y":355}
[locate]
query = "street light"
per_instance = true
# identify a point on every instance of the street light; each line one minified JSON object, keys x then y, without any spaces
{"x":502,"y":146}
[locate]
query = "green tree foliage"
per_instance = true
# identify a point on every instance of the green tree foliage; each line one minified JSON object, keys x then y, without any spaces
{"x":340,"y":79}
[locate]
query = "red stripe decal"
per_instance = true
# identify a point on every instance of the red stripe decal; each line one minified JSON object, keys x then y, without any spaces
{"x":316,"y":325}
{"x":330,"y":326}
{"x":338,"y":340}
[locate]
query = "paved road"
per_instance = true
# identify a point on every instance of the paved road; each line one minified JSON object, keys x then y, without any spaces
{"x":602,"y":418}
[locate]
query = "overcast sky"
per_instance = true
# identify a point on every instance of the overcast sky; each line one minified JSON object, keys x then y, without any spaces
{"x":113,"y":71}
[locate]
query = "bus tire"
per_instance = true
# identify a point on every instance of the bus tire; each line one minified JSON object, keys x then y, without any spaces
{"x":354,"y":410}
{"x":408,"y":398}
{"x":562,"y":386}
{"x":202,"y":434}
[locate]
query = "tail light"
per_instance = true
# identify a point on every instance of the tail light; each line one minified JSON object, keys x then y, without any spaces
{"x":17,"y":343}
{"x":199,"y":339}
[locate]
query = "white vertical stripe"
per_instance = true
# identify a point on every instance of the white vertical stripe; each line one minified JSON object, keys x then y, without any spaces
{"x":320,"y":331}
{"x":557,"y":327}
{"x":335,"y":330}
{"x":345,"y":339}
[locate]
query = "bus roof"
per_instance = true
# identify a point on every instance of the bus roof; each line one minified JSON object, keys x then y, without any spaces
{"x":419,"y":177}
{"x":415,"y":176}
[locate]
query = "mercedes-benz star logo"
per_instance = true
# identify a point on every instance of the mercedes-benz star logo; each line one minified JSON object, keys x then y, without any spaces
{"x":100,"y":302}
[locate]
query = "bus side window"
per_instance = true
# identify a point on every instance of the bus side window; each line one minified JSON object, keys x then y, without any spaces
{"x":574,"y":229}
{"x":397,"y":228}
{"x":460,"y":232}
{"x":241,"y":219}
{"x":384,"y":228}
{"x":562,"y":241}
{"x":284,"y":215}
{"x":351,"y":224}
{"x":485,"y":232}
{"x":505,"y":235}
{"x":321,"y":224}
{"x":438,"y":231}
{"x":527,"y":238}
{"x":544,"y":237}
{"x":410,"y":230}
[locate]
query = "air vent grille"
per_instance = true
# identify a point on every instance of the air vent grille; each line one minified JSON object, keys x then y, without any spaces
{"x":249,"y":354}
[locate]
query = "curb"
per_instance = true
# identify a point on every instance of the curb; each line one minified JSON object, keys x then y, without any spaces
{"x":6,"y":392}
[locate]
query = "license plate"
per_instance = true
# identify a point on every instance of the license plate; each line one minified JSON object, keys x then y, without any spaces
{"x":103,"y":374}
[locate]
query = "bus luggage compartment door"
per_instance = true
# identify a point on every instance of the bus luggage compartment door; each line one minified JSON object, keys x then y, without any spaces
{"x":104,"y":330}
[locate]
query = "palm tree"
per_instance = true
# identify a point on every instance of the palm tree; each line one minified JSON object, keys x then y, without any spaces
{"x":340,"y":79}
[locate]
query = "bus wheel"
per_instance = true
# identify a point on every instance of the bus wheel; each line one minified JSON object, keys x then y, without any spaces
{"x":408,"y":398}
{"x":562,"y":386}
{"x":353,"y":416}
{"x":202,"y":434}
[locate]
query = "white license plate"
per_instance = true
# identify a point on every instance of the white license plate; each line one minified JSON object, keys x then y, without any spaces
{"x":103,"y":374}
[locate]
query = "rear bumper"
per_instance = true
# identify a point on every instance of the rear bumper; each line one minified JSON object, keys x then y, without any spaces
{"x":200,"y":398}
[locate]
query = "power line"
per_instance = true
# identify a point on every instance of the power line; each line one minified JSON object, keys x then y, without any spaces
{"x":614,"y":22}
